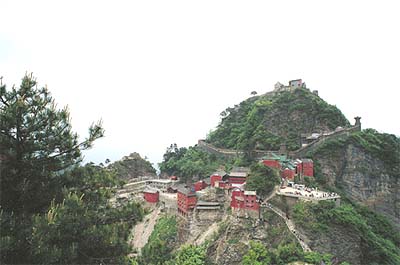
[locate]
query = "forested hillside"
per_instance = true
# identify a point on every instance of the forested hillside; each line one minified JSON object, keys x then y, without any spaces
{"x":266,"y":121}
{"x":190,"y":163}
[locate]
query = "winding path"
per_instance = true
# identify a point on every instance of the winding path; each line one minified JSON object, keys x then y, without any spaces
{"x":300,"y":237}
{"x":142,"y":231}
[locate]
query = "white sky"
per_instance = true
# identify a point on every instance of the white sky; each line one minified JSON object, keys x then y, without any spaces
{"x":161,"y":72}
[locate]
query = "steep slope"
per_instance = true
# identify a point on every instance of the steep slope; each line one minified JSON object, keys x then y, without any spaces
{"x":132,"y":166}
{"x":351,"y":233}
{"x":365,"y":166}
{"x":235,"y":240}
{"x":266,"y":121}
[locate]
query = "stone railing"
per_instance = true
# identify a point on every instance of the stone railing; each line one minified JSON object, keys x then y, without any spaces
{"x":308,"y":197}
{"x":302,"y":239}
{"x":217,"y":151}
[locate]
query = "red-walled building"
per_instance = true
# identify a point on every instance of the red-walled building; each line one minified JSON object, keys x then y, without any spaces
{"x":308,"y":167}
{"x":238,"y":175}
{"x":272,"y":163}
{"x":173,"y":178}
{"x":299,"y":167}
{"x":186,"y":200}
{"x":200,"y":185}
{"x":223,"y":184}
{"x":215,"y":178}
{"x":236,"y":180}
{"x":288,"y":174}
{"x":251,"y":200}
{"x":151,"y":196}
{"x":237,"y":199}
{"x":244,"y":200}
{"x":304,"y":167}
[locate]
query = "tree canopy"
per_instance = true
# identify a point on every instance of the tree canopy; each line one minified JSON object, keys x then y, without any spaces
{"x":161,"y":242}
{"x":190,"y":162}
{"x":37,"y":145}
{"x":52,"y":209}
{"x":262,"y":179}
{"x":256,"y":255}
{"x":191,"y":255}
{"x":266,"y":121}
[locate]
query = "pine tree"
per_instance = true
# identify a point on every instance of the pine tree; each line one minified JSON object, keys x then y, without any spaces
{"x":37,"y":145}
{"x":84,"y":228}
{"x":52,"y":209}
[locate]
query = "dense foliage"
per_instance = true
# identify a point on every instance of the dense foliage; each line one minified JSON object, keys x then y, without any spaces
{"x":265,"y":122}
{"x":37,"y":143}
{"x":75,"y":232}
{"x":161,"y":242}
{"x":190,"y":255}
{"x":379,"y":246}
{"x":258,"y":254}
{"x":383,"y":146}
{"x":188,"y":163}
{"x":132,"y":166}
{"x":52,"y":209}
{"x":262,"y":179}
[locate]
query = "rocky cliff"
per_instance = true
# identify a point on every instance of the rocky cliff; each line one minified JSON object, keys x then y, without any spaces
{"x":132,"y":166}
{"x":351,"y":233}
{"x":365,"y":167}
{"x":234,"y":236}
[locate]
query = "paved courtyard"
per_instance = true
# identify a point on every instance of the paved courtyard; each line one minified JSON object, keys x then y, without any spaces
{"x":301,"y":191}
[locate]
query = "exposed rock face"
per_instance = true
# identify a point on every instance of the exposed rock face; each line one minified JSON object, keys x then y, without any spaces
{"x":133,"y":166}
{"x":232,"y":241}
{"x":364,"y":179}
{"x":340,"y":242}
{"x":231,"y":244}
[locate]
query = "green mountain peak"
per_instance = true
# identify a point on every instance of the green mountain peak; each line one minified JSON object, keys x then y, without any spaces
{"x":278,"y":117}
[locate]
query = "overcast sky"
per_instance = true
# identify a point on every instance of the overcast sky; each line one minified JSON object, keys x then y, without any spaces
{"x":161,"y":72}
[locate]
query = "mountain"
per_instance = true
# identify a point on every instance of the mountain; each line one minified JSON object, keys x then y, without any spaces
{"x":363,"y":166}
{"x":132,"y":166}
{"x":267,"y":121}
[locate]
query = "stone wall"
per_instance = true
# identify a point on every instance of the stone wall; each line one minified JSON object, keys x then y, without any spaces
{"x":258,"y":154}
{"x":208,"y":216}
{"x":230,"y":153}
{"x":302,"y":152}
